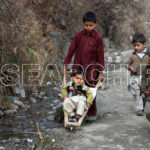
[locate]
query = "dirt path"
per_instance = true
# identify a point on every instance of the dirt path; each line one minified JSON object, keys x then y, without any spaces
{"x":116,"y":128}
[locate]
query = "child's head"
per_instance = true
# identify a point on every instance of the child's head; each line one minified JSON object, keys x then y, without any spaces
{"x":139,"y":42}
{"x":78,"y":76}
{"x":89,"y":21}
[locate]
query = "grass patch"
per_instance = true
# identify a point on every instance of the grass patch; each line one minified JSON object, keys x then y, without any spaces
{"x":35,"y":37}
{"x":48,"y":143}
{"x":30,"y":52}
{"x":5,"y":103}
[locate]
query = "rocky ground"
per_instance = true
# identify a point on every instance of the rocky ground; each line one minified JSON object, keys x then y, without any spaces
{"x":117,"y":126}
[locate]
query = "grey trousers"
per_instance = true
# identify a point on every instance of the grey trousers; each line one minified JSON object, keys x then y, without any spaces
{"x":135,"y":82}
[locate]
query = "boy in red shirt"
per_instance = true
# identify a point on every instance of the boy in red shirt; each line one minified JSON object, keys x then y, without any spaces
{"x":88,"y":51}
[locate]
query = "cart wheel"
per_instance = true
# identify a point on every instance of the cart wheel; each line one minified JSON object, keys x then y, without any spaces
{"x":71,"y":128}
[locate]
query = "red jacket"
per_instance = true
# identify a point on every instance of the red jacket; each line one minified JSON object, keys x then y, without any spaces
{"x":88,"y":49}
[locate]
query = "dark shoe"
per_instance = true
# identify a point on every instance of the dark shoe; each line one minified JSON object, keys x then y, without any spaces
{"x":140,"y":113}
{"x":77,"y":119}
{"x":72,"y":119}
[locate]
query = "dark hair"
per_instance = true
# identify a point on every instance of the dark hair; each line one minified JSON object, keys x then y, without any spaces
{"x":79,"y":71}
{"x":138,"y":37}
{"x":89,"y":16}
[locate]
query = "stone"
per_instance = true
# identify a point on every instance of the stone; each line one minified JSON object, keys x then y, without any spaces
{"x":12,"y":98}
{"x":26,"y":106}
{"x":19,"y":103}
{"x":2,"y":148}
{"x":109,"y":59}
{"x":50,"y":112}
{"x":1,"y":113}
{"x":56,"y":101}
{"x":16,"y":140}
{"x":30,"y":140}
{"x":18,"y":89}
{"x":14,"y":107}
{"x":63,"y":22}
{"x":54,"y":34}
{"x":106,"y":42}
{"x":42,"y":93}
{"x":46,"y":98}
{"x":55,"y":88}
{"x":33,"y":100}
{"x":54,"y":108}
{"x":48,"y":83}
{"x":9,"y":112}
{"x":51,"y":117}
{"x":118,"y":59}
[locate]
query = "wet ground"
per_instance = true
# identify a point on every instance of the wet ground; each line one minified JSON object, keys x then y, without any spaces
{"x":21,"y":131}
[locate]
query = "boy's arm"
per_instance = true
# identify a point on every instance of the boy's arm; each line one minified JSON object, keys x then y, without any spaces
{"x":129,"y":65}
{"x":64,"y":92}
{"x":130,"y":61}
{"x":89,"y":96}
{"x":71,"y":50}
{"x":100,"y":56}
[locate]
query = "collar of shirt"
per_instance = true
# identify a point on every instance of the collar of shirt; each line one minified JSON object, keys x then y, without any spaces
{"x":144,"y":51}
{"x":93,"y":33}
{"x":142,"y":54}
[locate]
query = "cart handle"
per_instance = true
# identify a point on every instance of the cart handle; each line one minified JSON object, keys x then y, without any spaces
{"x":98,"y":83}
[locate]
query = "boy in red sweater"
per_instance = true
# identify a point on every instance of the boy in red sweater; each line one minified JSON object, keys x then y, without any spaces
{"x":88,"y":51}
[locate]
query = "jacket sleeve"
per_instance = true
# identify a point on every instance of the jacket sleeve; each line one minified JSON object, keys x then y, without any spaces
{"x":143,"y":82}
{"x":64,"y":92}
{"x":100,"y":52}
{"x":129,"y":63}
{"x":72,"y":50}
{"x":89,"y":95}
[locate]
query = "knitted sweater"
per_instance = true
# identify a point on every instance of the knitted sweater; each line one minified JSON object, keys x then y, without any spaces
{"x":138,"y":63}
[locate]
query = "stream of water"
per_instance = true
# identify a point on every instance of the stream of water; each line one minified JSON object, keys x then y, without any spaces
{"x":20,"y":131}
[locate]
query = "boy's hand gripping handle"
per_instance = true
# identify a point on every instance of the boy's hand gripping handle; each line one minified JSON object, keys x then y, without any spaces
{"x":98,"y":83}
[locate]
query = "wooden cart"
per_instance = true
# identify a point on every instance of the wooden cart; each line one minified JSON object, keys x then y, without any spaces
{"x":76,"y":125}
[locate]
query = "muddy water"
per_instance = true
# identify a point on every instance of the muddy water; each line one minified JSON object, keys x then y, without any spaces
{"x":20,"y":131}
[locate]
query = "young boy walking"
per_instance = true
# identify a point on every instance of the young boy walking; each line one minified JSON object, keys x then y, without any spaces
{"x":145,"y":89}
{"x":137,"y":62}
{"x":76,"y":95}
{"x":87,"y":46}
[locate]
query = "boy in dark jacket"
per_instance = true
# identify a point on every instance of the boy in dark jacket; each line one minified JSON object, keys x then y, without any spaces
{"x":145,"y":89}
{"x":137,"y":61}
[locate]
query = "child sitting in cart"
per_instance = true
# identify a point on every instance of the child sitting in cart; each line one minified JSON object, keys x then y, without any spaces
{"x":76,"y":96}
